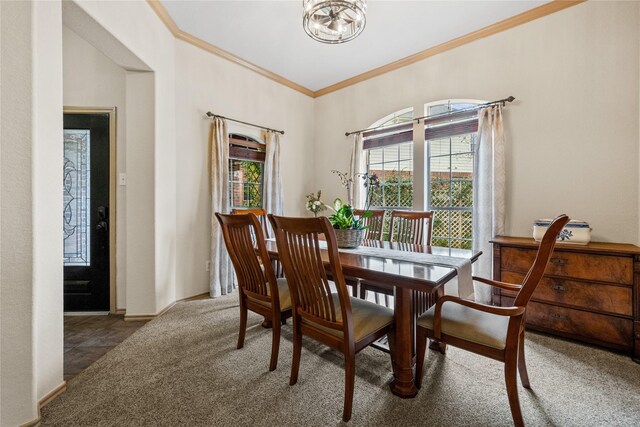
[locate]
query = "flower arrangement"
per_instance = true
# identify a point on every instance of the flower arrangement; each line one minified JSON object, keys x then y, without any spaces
{"x":344,"y":218}
{"x":314,"y":204}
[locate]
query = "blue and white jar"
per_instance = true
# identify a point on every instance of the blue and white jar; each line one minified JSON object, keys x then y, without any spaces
{"x":575,"y":232}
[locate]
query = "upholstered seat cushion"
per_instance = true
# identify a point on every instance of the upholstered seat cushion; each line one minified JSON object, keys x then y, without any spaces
{"x":368,"y":318}
{"x":469,"y":324}
{"x":283,"y":292}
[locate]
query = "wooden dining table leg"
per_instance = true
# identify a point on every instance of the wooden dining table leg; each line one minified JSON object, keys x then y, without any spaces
{"x":403,"y":384}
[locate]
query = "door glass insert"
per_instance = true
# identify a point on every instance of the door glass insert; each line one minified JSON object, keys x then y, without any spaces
{"x":77,"y":197}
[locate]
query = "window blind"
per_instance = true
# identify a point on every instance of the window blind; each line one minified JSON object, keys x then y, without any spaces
{"x":389,"y":135}
{"x":451,"y":124}
{"x":244,"y":149}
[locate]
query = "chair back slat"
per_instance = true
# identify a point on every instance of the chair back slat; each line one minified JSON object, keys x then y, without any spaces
{"x":258,"y":212}
{"x":543,"y":256}
{"x":374,"y":223}
{"x":409,"y":227}
{"x":298,"y":241}
{"x":255,"y":279}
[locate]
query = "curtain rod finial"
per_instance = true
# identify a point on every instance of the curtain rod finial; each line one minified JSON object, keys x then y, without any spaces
{"x":210,"y":114}
{"x":510,"y":99}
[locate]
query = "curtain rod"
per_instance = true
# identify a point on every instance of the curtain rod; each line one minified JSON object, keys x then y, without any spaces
{"x":211,"y":116}
{"x":417,"y":119}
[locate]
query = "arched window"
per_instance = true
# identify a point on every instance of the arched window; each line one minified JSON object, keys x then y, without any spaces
{"x":246,"y":171}
{"x":389,"y":155}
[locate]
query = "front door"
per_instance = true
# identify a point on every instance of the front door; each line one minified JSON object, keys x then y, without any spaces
{"x":86,"y":211}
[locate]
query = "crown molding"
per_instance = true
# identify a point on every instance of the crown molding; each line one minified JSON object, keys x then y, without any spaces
{"x":498,"y":27}
{"x":198,"y":42}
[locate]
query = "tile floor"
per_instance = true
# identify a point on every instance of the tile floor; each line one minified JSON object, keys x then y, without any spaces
{"x":87,"y":338}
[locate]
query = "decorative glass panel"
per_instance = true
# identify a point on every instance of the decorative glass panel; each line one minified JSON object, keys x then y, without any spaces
{"x":246,"y":183}
{"x":76,"y":197}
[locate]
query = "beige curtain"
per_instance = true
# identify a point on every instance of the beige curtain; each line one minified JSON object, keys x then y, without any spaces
{"x":221,"y":276}
{"x":488,"y":193}
{"x":272,"y":185}
{"x":357,"y":191}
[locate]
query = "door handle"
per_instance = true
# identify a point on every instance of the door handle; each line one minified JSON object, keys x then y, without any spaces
{"x":102,"y":226}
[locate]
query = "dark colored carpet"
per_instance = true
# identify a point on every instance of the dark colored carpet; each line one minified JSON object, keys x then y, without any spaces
{"x":183,"y":369}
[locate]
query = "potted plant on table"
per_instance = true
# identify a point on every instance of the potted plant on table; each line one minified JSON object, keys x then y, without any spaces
{"x":349,"y":228}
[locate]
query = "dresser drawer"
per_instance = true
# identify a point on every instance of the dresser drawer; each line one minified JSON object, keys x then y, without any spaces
{"x":589,"y":296}
{"x":606,"y":268}
{"x":591,"y":327}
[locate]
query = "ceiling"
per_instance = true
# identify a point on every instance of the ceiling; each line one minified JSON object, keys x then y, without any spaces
{"x":269,"y":34}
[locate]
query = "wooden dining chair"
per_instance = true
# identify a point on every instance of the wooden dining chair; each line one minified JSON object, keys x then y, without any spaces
{"x":409,"y":227}
{"x":374,"y":223}
{"x":335,"y":319}
{"x":260,"y":291}
{"x":494,"y":332}
{"x":258,"y":212}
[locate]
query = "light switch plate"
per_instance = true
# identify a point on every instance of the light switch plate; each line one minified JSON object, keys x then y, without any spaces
{"x":122,"y":179}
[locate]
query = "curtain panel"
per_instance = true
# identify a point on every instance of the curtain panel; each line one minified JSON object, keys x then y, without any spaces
{"x":272,"y":183}
{"x":221,"y":276}
{"x":488,"y":193}
{"x":357,"y":191}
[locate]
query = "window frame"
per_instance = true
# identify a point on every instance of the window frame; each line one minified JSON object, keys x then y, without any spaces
{"x":245,"y":149}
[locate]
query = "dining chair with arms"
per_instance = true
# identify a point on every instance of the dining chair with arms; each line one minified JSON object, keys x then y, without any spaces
{"x":333,"y":318}
{"x":406,"y":227}
{"x":494,"y":332}
{"x":259,"y":290}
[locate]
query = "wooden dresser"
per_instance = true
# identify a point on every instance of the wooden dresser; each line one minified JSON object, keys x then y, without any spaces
{"x":589,"y":293}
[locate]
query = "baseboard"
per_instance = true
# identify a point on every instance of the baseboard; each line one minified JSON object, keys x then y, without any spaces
{"x":31,"y":423}
{"x":46,"y":399}
{"x":204,"y":295}
{"x":52,"y":394}
{"x":134,"y":317}
{"x":120,"y":311}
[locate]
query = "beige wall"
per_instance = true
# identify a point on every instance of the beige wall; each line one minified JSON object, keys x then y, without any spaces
{"x":573,"y":133}
{"x":205,"y":82}
{"x":30,"y":207}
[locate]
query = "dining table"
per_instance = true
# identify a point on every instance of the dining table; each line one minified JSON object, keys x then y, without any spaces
{"x":416,"y":286}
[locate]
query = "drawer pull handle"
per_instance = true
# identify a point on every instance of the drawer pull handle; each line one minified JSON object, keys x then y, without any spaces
{"x":559,"y":316}
{"x":558,"y":288}
{"x":559,"y":261}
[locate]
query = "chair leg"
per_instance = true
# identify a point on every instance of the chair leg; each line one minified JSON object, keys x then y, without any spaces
{"x":243,"y":324}
{"x":421,"y":350}
{"x":377,"y":297}
{"x":275,"y":345}
{"x":511,"y":380}
{"x":386,"y":300}
{"x":522,"y":366}
{"x":349,"y":382}
{"x":297,"y":349}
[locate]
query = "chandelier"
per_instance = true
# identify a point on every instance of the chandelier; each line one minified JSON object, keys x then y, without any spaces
{"x":334,"y":21}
